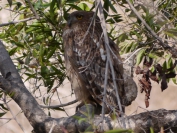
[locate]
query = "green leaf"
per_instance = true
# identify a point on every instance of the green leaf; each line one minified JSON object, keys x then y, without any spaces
{"x":128,"y":48}
{"x":106,"y":7}
{"x":171,"y":32}
{"x":35,"y":53}
{"x":57,"y":108}
{"x":2,"y":105}
{"x":112,"y":7}
{"x":169,"y":63}
{"x":52,"y":9}
{"x":164,"y":65}
{"x":10,"y":2}
{"x":30,"y":29}
{"x":50,"y":53}
{"x":122,"y":37}
{"x":153,"y":69}
{"x":1,"y":114}
{"x":13,"y":51}
{"x":74,"y":6}
{"x":38,"y":5}
{"x":151,"y":130}
{"x":114,"y":19}
{"x":84,"y":6}
{"x":153,"y":55}
{"x":174,"y":80}
{"x":119,"y":131}
{"x":44,"y":71}
{"x":41,"y":54}
{"x":11,"y":94}
{"x":71,"y":1}
{"x":30,"y":75}
{"x":19,"y":44}
{"x":28,"y":59}
{"x":140,"y":56}
{"x":82,"y":120}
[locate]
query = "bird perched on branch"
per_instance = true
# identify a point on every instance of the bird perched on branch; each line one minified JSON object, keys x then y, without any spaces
{"x":85,"y":59}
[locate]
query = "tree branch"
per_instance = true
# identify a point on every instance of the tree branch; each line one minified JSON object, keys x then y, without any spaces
{"x":14,"y":22}
{"x":61,"y":105}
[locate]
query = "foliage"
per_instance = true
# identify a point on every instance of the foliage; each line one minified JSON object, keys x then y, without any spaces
{"x":37,"y":49}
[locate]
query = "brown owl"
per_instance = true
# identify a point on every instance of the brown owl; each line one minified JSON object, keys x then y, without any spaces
{"x":85,"y":59}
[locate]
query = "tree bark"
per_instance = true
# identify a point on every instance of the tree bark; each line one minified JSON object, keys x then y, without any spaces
{"x":11,"y":83}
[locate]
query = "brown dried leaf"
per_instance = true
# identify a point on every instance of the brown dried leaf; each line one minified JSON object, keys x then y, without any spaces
{"x":138,"y":70}
{"x":164,"y":83}
{"x":152,"y":75}
{"x":159,"y":68}
{"x":146,"y":103}
{"x":148,"y":63}
{"x":145,"y":85}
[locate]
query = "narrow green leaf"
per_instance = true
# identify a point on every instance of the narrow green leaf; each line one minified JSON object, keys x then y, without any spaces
{"x":174,"y":80}
{"x":13,"y":51}
{"x":164,"y":65}
{"x":2,"y":105}
{"x":151,"y":130}
{"x":27,"y":59}
{"x":153,"y":55}
{"x":82,"y":120}
{"x":112,"y":7}
{"x":1,"y":114}
{"x":169,"y":63}
{"x":57,"y":108}
{"x":119,"y":131}
{"x":74,"y":6}
{"x":84,"y":6}
{"x":44,"y":71}
{"x":140,"y":55}
{"x":10,"y":2}
{"x":50,"y":53}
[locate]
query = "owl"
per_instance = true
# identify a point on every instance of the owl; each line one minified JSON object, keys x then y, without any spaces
{"x":85,"y":61}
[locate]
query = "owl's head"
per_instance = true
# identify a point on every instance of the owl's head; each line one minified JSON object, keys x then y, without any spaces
{"x":80,"y":18}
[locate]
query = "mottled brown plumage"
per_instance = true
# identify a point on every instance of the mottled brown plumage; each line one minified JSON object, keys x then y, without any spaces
{"x":85,"y":58}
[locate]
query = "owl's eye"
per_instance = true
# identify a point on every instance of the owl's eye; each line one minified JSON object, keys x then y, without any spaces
{"x":79,"y":17}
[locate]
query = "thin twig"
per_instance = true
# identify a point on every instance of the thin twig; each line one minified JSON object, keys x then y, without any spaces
{"x":33,"y":10}
{"x":61,"y":105}
{"x":104,"y":93}
{"x":132,"y":55}
{"x":14,"y":22}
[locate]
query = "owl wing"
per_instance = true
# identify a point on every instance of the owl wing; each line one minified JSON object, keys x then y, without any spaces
{"x":78,"y":82}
